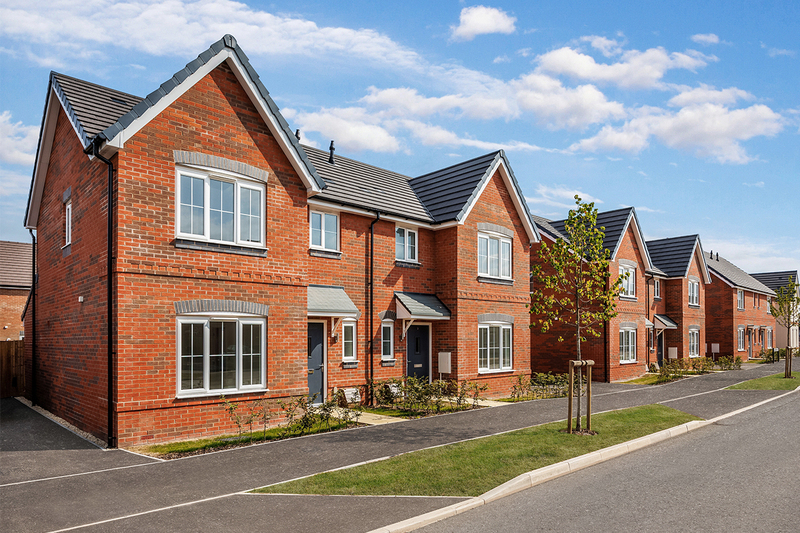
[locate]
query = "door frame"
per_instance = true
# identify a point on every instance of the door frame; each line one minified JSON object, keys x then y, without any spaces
{"x":324,"y":356}
{"x":429,"y":325}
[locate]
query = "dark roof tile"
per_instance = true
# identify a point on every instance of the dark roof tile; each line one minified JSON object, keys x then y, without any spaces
{"x":673,"y":255}
{"x":735,"y":275}
{"x":15,"y":264}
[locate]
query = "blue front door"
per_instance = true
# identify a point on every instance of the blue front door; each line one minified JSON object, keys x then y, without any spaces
{"x":316,"y":361}
{"x":418,"y":352}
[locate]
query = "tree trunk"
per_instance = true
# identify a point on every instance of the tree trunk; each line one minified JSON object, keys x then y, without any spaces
{"x":787,"y":370}
{"x":580,"y":379}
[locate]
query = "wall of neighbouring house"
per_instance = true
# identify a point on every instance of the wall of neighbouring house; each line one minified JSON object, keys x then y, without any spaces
{"x":12,"y":302}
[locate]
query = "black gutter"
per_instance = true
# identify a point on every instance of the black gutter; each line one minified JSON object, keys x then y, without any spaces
{"x":112,"y":439}
{"x":372,"y":303}
{"x":33,"y":318}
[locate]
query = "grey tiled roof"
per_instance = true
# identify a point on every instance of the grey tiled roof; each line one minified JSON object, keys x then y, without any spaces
{"x":545,"y":225}
{"x":354,"y":183}
{"x":735,"y":275}
{"x":446,"y":192}
{"x":666,"y":321}
{"x":92,"y":107}
{"x":613,"y":222}
{"x":775,"y":280}
{"x":15,"y":264}
{"x":423,"y":305}
{"x":328,"y":299}
{"x":673,"y":255}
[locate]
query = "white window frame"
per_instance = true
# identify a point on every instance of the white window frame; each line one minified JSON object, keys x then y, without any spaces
{"x":657,"y":289}
{"x":387,"y":355}
{"x":240,"y":183}
{"x":769,"y":305}
{"x":755,"y":300}
{"x":694,"y":292}
{"x":505,"y":264}
{"x":68,"y":223}
{"x":694,"y":343}
{"x":627,"y":345}
{"x":740,"y":339}
{"x":322,"y":245}
{"x":205,"y":322}
{"x":350,"y":325}
{"x":740,"y":299}
{"x":628,"y":285}
{"x":406,"y":247}
{"x":505,"y":332}
{"x":769,"y":339}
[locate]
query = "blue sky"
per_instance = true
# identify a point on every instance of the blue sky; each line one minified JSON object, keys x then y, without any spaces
{"x":688,"y":111}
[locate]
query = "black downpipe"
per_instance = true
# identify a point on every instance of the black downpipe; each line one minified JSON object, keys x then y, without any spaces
{"x":371,"y":302}
{"x":112,"y":439}
{"x":33,"y":318}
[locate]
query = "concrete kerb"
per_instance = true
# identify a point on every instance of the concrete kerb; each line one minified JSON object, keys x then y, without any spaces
{"x":547,"y":473}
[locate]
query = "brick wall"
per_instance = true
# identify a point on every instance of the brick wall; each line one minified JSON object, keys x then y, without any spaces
{"x":12,"y":302}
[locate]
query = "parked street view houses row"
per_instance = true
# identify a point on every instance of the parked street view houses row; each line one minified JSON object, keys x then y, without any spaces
{"x":244,"y":263}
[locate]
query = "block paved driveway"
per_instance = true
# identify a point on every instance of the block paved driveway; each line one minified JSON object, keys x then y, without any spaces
{"x":51,"y":480}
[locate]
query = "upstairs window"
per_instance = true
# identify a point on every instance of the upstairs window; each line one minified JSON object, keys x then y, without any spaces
{"x":324,"y":231}
{"x":769,"y":305}
{"x":755,"y":300}
{"x":494,"y":256}
{"x":629,"y":284}
{"x":220,"y":209}
{"x":740,"y":299}
{"x":405,"y":244}
{"x":694,"y":293}
{"x":657,"y":289}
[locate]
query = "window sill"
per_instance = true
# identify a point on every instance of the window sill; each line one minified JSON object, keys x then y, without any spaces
{"x":201,"y":246}
{"x":66,"y":250}
{"x":657,"y":298}
{"x":495,"y":281}
{"x":388,"y":362}
{"x":407,"y":264}
{"x":501,"y":371}
{"x":217,"y":394}
{"x":628,"y":362}
{"x":694,"y":306}
{"x":327,"y":254}
{"x":349,"y":364}
{"x":628,"y":298}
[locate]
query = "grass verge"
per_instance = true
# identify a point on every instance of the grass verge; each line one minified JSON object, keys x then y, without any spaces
{"x":474,"y":467}
{"x":647,"y":379}
{"x":774,"y":382}
{"x":174,"y":450}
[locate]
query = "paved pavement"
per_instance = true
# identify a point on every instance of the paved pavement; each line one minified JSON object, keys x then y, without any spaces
{"x":46,"y":485}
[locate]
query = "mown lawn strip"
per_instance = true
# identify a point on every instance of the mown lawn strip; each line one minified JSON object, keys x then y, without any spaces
{"x":773,"y":382}
{"x":474,"y":467}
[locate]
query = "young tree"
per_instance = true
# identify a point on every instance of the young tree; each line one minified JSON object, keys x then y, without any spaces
{"x":572,"y":282}
{"x":786,"y":310}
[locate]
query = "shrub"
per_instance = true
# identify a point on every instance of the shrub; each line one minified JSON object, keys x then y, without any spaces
{"x":702,"y":365}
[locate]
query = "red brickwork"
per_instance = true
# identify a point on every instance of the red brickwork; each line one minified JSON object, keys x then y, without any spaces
{"x":685,"y":315}
{"x":12,"y":302}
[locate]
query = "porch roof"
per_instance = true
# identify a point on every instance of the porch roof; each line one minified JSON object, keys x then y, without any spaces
{"x":328,"y":300}
{"x":413,"y":305}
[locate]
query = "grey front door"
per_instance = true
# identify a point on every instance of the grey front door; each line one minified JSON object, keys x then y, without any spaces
{"x":660,"y":349}
{"x":316,"y":361}
{"x":418,"y":352}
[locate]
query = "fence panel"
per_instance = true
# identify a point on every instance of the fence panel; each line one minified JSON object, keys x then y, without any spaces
{"x":12,"y":368}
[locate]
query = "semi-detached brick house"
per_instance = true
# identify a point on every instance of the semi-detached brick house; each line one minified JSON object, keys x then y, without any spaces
{"x":739,"y":322}
{"x":620,"y":352}
{"x":677,"y":299}
{"x":776,"y":280}
{"x":241,"y":260}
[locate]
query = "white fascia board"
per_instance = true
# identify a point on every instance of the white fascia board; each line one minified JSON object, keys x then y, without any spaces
{"x":526,"y":222}
{"x":43,"y":158}
{"x":318,"y":202}
{"x":698,"y":250}
{"x":637,"y":234}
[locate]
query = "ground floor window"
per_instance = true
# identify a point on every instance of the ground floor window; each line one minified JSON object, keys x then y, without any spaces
{"x":694,"y":343}
{"x":741,"y":339}
{"x":221,"y":355}
{"x":627,"y":345}
{"x":387,"y":340}
{"x":769,"y":339}
{"x":494,"y":348}
{"x":349,"y":344}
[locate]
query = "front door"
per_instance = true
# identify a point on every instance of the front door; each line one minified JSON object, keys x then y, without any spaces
{"x":751,"y":338}
{"x":316,"y":361}
{"x":418,"y":352}
{"x":660,"y":349}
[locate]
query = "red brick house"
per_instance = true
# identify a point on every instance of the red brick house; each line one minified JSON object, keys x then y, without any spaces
{"x":621,"y":351}
{"x":677,"y":299}
{"x":775,"y":280}
{"x":242,"y":263}
{"x":15,"y":285}
{"x":738,"y":319}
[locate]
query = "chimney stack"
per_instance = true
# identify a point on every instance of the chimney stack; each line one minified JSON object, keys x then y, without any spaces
{"x":330,"y":159}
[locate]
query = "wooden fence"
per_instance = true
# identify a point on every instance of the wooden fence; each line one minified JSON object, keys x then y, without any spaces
{"x":12,"y":368}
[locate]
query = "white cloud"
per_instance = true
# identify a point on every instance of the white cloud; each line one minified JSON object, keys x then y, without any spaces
{"x":641,"y":173}
{"x":481,"y":20}
{"x":759,"y":184}
{"x":352,"y":128}
{"x":559,"y":196}
{"x":705,"y":38}
{"x":775,"y":52}
{"x":14,"y":184}
{"x":559,"y":107}
{"x":404,"y":101}
{"x":432,"y":135}
{"x":525,"y":52}
{"x":706,"y":94}
{"x":608,"y":47}
{"x":645,"y":209}
{"x":709,"y":130}
{"x":635,"y":70}
{"x":17,"y":141}
{"x":501,"y":59}
{"x":762,"y":255}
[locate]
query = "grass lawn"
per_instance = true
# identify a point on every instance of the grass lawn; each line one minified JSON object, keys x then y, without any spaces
{"x":473,"y":467}
{"x":173,"y":450}
{"x":647,"y":379}
{"x":774,"y":382}
{"x":413,"y":413}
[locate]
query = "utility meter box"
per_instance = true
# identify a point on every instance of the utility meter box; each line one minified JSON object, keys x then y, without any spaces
{"x":444,"y":362}
{"x":673,"y":352}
